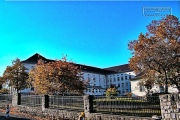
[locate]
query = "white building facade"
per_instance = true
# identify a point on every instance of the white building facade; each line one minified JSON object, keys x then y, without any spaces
{"x":99,"y":79}
{"x":140,"y":90}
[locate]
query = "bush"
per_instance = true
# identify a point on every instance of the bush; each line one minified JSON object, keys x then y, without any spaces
{"x":111,"y":92}
{"x":128,"y":94}
{"x":4,"y":91}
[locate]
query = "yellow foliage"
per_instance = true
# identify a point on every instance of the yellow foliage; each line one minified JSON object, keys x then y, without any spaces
{"x":56,"y":76}
{"x":82,"y":114}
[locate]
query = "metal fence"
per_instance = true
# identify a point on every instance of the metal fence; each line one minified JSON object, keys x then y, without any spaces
{"x":31,"y":100}
{"x":5,"y":97}
{"x":129,"y":106}
{"x":71,"y":103}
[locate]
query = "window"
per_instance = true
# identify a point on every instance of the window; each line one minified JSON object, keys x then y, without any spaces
{"x":93,"y":90}
{"x":122,"y":84}
{"x":125,"y":77}
{"x":32,"y":88}
{"x":122,"y":78}
{"x":161,"y":88}
{"x":119,"y":92}
{"x":119,"y":85}
{"x":110,"y":80}
{"x":114,"y":79}
{"x":126,"y":90}
{"x":126,"y":83}
{"x":118,"y":78}
{"x":129,"y":76}
{"x":141,"y":88}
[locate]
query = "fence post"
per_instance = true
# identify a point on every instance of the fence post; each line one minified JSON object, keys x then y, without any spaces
{"x":16,"y":99}
{"x":45,"y":102}
{"x":19,"y":99}
{"x":88,"y":105}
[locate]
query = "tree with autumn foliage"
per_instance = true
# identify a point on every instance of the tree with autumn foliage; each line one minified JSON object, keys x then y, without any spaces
{"x":59,"y":76}
{"x":2,"y":81}
{"x":156,"y":53}
{"x":16,"y":75}
{"x":111,"y":91}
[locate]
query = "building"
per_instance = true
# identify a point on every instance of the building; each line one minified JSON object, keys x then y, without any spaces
{"x":99,"y":79}
{"x":140,"y":90}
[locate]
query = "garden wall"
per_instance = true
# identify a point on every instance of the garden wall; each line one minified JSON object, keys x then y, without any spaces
{"x":170,"y":106}
{"x":54,"y":114}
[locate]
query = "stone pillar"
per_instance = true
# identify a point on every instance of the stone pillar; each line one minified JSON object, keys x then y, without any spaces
{"x":45,"y":102}
{"x":88,"y":106}
{"x":169,"y":106}
{"x":16,"y":99}
{"x":88,"y":103}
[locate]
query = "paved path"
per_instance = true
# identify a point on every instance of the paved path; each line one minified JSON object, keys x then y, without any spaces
{"x":12,"y":117}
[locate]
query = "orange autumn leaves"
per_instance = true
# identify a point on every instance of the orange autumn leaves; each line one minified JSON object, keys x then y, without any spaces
{"x":56,"y":77}
{"x":157,"y":49}
{"x":15,"y":75}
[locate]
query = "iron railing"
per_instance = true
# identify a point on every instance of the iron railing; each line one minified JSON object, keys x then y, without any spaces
{"x":5,"y":97}
{"x":129,"y":106}
{"x":31,"y":100}
{"x":71,"y":103}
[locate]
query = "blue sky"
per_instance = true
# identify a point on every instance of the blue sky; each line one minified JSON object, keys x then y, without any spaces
{"x":90,"y":33}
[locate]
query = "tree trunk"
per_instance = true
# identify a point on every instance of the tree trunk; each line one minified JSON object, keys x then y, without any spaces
{"x":178,"y":87}
{"x":166,"y":82}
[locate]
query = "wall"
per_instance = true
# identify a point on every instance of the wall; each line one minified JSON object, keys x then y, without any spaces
{"x":170,"y":106}
{"x":50,"y":114}
{"x":53,"y":114}
{"x":97,"y":83}
{"x":135,"y":88}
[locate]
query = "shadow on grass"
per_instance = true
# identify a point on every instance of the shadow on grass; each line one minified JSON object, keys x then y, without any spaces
{"x":12,"y":118}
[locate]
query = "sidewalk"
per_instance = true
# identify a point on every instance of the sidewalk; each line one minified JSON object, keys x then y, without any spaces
{"x":14,"y":114}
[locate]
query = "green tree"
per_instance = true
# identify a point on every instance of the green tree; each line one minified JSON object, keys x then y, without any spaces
{"x":58,"y":76}
{"x":157,"y":51}
{"x":16,"y":75}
